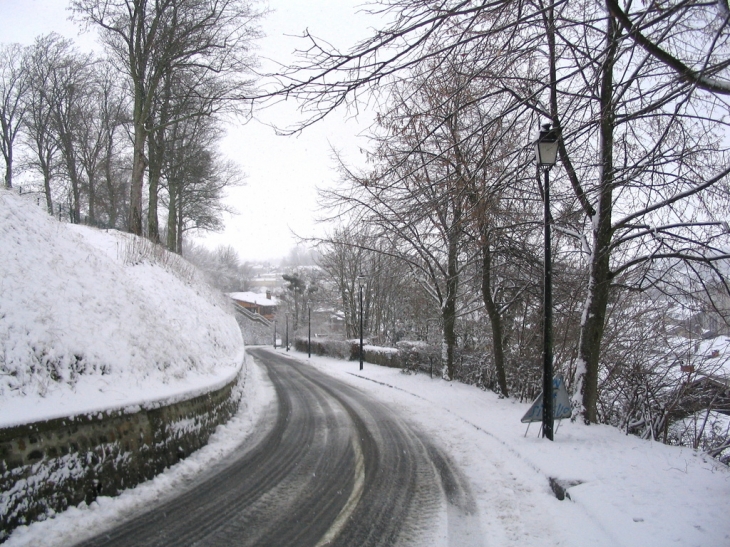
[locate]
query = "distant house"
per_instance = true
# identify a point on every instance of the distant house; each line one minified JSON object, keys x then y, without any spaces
{"x":262,"y":304}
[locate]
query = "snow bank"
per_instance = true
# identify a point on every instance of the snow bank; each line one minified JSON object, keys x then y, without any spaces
{"x":96,"y":320}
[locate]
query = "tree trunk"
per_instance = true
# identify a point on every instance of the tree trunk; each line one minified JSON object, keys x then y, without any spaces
{"x":139,"y":164}
{"x":156,"y":158}
{"x":448,"y":309}
{"x":172,"y":218}
{"x":180,"y":225}
{"x":47,"y":191}
{"x":9,"y":168}
{"x":155,"y":147}
{"x":70,"y":157}
{"x":109,"y":180}
{"x":494,"y":316}
{"x":92,"y":200}
{"x":585,"y":398}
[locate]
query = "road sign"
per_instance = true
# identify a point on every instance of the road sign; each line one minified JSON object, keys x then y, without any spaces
{"x":561,"y":403}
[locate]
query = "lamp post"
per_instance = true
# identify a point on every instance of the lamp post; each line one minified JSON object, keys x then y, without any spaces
{"x":546,"y":152}
{"x":274,"y":333}
{"x":287,"y":332}
{"x":361,"y":283}
{"x":309,"y":336}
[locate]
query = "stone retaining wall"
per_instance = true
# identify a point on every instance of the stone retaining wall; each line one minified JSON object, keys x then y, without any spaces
{"x":48,"y":466}
{"x":255,"y":333}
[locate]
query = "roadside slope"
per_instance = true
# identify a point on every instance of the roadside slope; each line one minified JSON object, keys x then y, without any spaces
{"x":95,"y":320}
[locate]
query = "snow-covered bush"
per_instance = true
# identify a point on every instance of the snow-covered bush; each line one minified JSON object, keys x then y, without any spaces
{"x":417,"y":356}
{"x":707,"y":430}
{"x":378,"y":355}
{"x":341,"y":349}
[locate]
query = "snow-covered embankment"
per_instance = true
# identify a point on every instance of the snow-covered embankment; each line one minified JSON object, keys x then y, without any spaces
{"x":95,"y":324}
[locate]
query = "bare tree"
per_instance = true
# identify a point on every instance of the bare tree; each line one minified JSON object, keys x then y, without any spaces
{"x":639,"y":145}
{"x":394,"y":304}
{"x":13,"y":87}
{"x":37,"y":135}
{"x":703,"y":25}
{"x":415,"y":202}
{"x":196,"y":178}
{"x":68,"y":93}
{"x":641,"y":150}
{"x":113,"y":117}
{"x":150,"y":39}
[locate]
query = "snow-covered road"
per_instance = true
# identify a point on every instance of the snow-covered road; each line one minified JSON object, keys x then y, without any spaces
{"x":631,"y":492}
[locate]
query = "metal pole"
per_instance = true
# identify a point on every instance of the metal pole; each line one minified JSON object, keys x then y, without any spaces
{"x":287,"y":332}
{"x":309,"y":340}
{"x":274,"y":333}
{"x":360,"y":327}
{"x":547,"y":338}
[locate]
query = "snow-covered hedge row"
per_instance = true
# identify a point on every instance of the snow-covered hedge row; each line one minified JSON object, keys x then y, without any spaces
{"x":387,"y":357}
{"x":93,"y":319}
{"x":342,"y":349}
{"x":410,"y":355}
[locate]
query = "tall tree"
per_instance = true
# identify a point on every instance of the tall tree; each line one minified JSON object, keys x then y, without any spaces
{"x":113,"y":116}
{"x":38,"y":136}
{"x":152,"y":38}
{"x":641,"y":149}
{"x":69,"y":94}
{"x":196,"y":178}
{"x":13,"y":86}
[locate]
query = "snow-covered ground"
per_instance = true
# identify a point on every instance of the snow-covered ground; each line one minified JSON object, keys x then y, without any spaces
{"x":631,"y":492}
{"x":94,"y":320}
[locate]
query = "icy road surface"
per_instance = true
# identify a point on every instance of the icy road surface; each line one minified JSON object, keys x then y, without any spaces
{"x":331,"y":466}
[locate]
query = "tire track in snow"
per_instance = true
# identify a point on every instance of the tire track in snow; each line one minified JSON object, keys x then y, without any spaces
{"x":334,"y":467}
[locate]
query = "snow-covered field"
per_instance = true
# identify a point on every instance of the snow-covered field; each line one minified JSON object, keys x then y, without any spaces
{"x":631,"y":492}
{"x":94,"y":320}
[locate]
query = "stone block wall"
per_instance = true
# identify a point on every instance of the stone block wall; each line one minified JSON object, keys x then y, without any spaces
{"x":48,"y":466}
{"x":255,"y":333}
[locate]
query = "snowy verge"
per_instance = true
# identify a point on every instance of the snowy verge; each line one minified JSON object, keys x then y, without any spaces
{"x":80,"y":523}
{"x":94,"y":320}
{"x":627,"y":492}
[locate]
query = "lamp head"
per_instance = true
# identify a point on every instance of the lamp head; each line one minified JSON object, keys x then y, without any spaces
{"x":546,"y":146}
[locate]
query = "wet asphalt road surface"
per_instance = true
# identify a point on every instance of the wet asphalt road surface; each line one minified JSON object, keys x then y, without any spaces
{"x":329,"y":466}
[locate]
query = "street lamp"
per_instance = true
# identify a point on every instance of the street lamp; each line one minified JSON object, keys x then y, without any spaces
{"x":309,"y":335}
{"x":361,"y":280}
{"x":546,"y":152}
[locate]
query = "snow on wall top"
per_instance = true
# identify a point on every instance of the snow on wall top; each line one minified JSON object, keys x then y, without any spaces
{"x":93,"y":320}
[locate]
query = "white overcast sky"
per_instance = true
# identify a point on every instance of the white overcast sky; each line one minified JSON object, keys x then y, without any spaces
{"x":283,"y":173}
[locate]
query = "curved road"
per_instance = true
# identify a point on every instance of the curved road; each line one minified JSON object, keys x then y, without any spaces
{"x":331,"y":467}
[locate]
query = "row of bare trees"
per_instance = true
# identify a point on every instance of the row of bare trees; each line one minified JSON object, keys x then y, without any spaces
{"x":116,"y":139}
{"x":637,"y":94}
{"x":63,"y":123}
